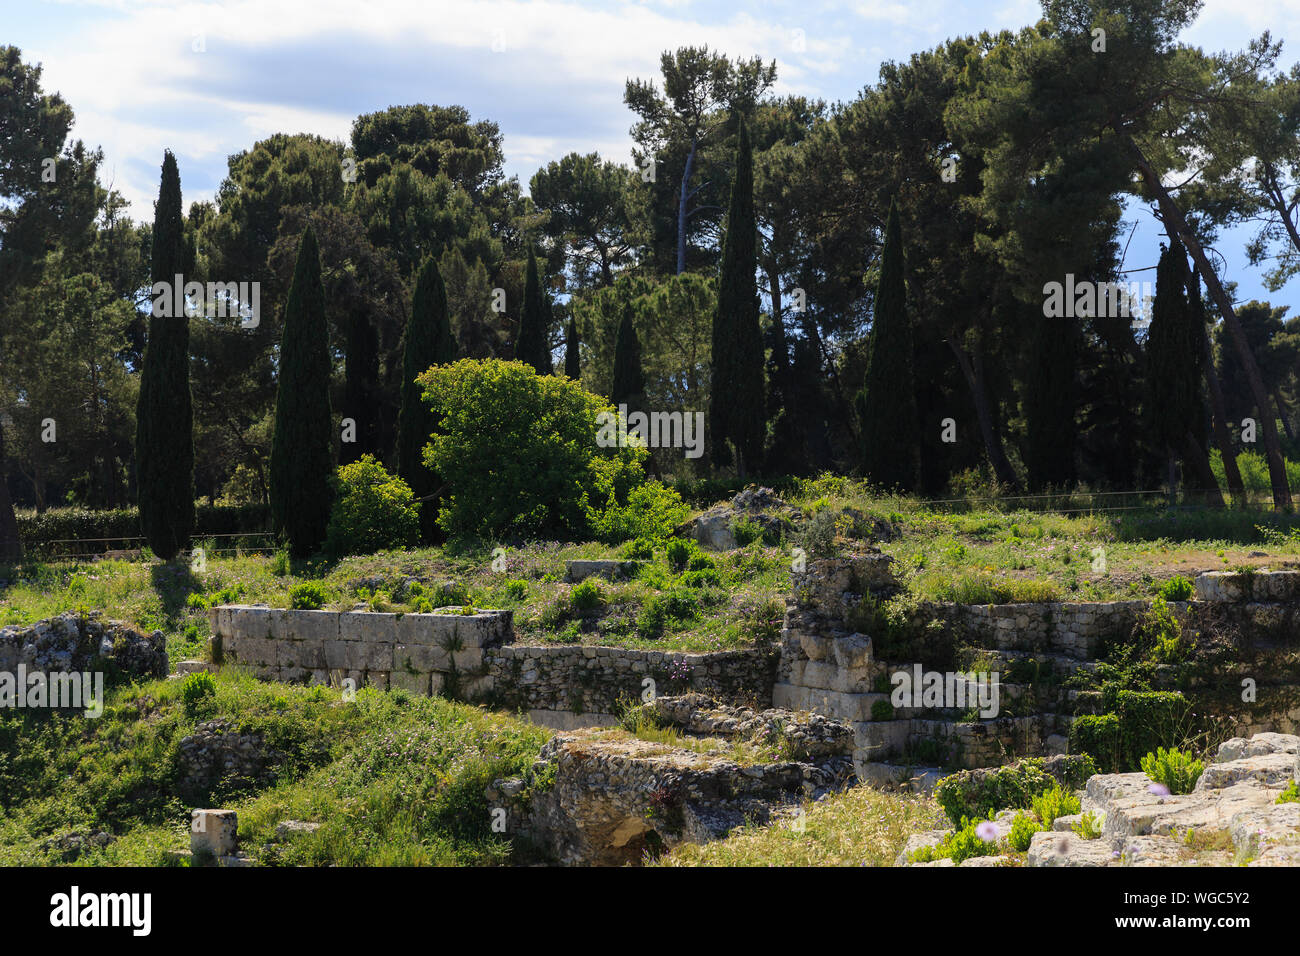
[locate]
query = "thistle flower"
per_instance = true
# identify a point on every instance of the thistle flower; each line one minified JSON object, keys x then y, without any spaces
{"x":987,"y":831}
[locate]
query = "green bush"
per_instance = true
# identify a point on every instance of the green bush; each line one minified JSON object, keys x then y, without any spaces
{"x":195,"y":689}
{"x":1098,"y":736}
{"x":516,"y":589}
{"x":701,"y":579}
{"x":1173,"y":768}
{"x":746,"y":531}
{"x":1056,"y":802}
{"x":882,"y":710}
{"x":1158,"y":632}
{"x":1149,"y":720}
{"x":679,"y":552}
{"x":1023,"y":828}
{"x":962,"y":844}
{"x":819,"y":535}
{"x":373,"y":511}
{"x":308,"y":596}
{"x":981,"y":793}
{"x":1291,"y":794}
{"x":651,"y":513}
{"x":661,"y":609}
{"x":1177,"y":588}
{"x":639,"y":549}
{"x":587,"y":596}
{"x":520,"y":454}
{"x":1088,"y":827}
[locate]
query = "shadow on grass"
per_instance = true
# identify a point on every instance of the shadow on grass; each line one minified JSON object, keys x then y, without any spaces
{"x":173,"y":582}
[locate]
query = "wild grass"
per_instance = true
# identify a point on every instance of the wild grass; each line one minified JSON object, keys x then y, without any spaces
{"x":391,"y":777}
{"x":858,"y":827}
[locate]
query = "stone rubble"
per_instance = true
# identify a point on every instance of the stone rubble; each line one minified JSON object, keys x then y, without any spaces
{"x":1231,"y":817}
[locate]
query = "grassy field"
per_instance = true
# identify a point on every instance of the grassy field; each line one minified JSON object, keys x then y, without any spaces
{"x":393,"y":779}
{"x":730,"y":604}
{"x":974,"y":552}
{"x":989,"y":552}
{"x":858,"y":827}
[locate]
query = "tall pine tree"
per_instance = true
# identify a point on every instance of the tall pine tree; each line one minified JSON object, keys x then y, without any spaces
{"x":531,"y":346}
{"x":891,"y":434}
{"x":428,"y":341}
{"x":164,"y":437}
{"x":302,"y":459}
{"x":737,"y":412}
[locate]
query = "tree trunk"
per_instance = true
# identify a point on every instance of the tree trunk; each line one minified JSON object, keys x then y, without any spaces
{"x":1281,"y":413}
{"x":1173,"y":218}
{"x":682,"y":199}
{"x":1219,"y":423}
{"x":11,"y":546}
{"x":992,"y":440}
{"x":1198,"y":462}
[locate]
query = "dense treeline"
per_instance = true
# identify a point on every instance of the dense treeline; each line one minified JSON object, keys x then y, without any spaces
{"x":863,"y":286}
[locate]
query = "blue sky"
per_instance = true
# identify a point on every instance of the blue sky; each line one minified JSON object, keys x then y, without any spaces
{"x":550,"y":72}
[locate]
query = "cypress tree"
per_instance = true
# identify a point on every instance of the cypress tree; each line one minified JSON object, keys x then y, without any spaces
{"x":572,"y":359}
{"x":531,"y":346}
{"x":629,"y":382}
{"x":428,"y":341}
{"x":891,"y":436}
{"x":164,"y":437}
{"x":1175,"y":357}
{"x":302,"y":459}
{"x":737,"y":404}
{"x":361,"y":387}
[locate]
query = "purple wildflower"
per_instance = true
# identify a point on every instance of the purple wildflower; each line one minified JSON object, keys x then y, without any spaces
{"x":1159,"y":789}
{"x":987,"y":831}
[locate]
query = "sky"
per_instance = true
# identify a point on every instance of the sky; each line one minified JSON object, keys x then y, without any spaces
{"x":210,"y":79}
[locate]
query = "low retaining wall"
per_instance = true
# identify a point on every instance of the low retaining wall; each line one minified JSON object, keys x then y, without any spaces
{"x":579,"y":685}
{"x":473,"y":656}
{"x":420,"y":652}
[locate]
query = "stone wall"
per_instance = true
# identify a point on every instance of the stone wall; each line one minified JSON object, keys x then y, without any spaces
{"x":422,"y":653}
{"x":80,"y":642}
{"x":828,"y":666}
{"x":473,"y":656}
{"x":605,"y":797}
{"x":579,"y":685}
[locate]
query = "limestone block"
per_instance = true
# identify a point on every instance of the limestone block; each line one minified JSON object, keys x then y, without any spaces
{"x":316,"y":626}
{"x":420,"y":657}
{"x":308,"y":654}
{"x":368,"y":627}
{"x":214,"y":831}
{"x":416,"y":682}
{"x":1050,"y":848}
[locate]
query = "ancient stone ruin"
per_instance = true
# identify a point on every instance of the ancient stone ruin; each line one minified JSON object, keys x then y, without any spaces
{"x":606,"y":796}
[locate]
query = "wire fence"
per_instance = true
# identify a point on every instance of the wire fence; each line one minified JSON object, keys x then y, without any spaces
{"x":1082,"y":502}
{"x":132,"y":546}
